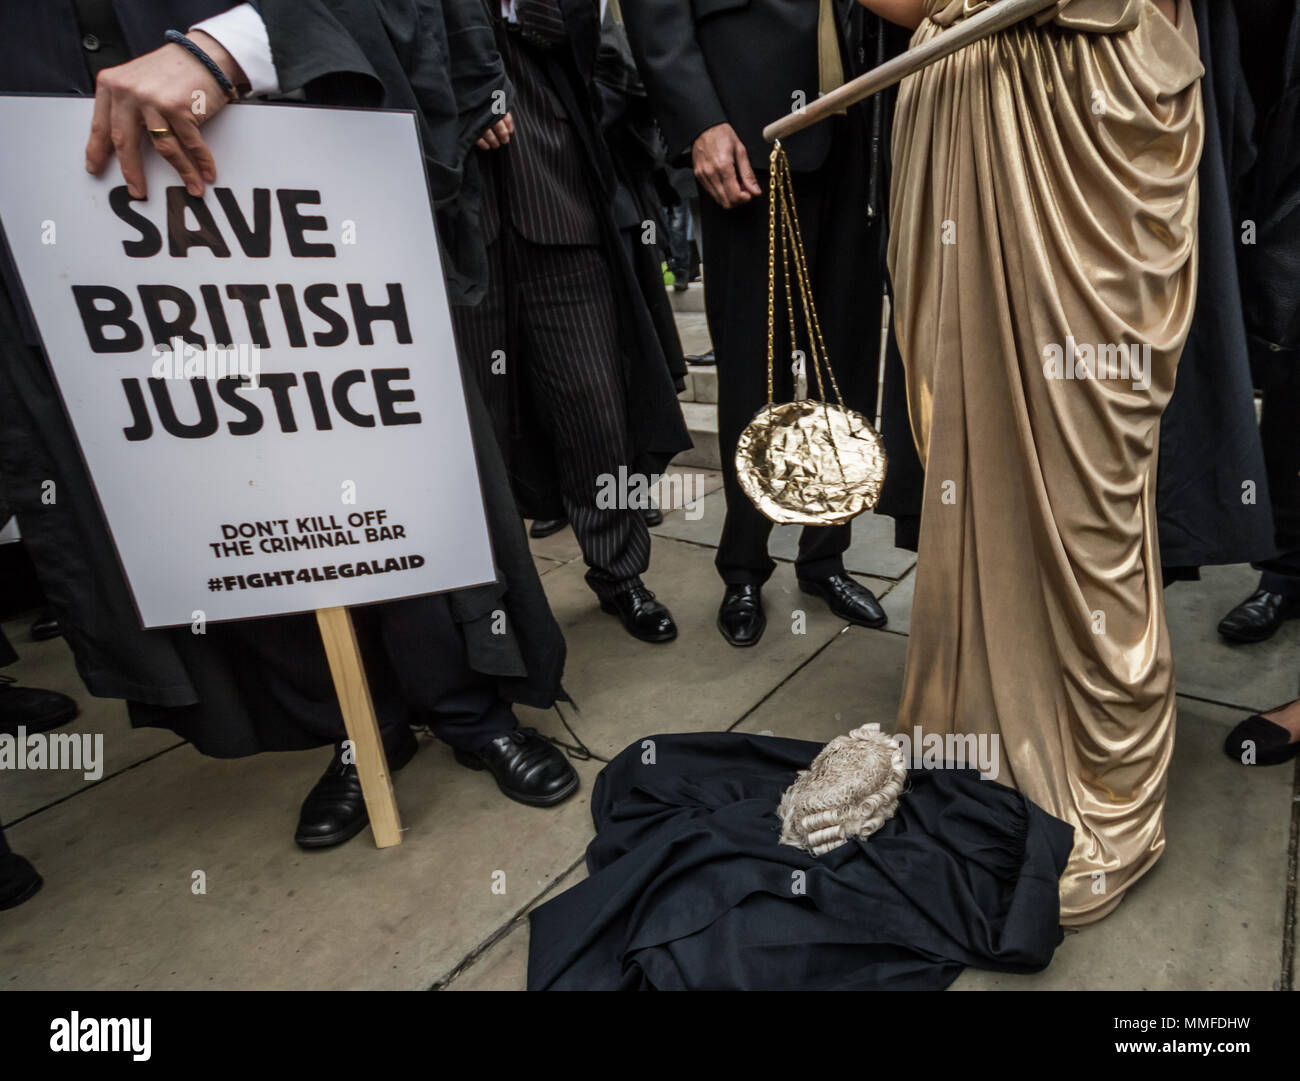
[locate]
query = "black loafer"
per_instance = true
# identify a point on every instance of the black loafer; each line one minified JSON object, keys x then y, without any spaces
{"x":544,"y":527}
{"x":1258,"y":617}
{"x":702,"y":359}
{"x":740,"y":617}
{"x":19,"y":881}
{"x":653,"y":516}
{"x":526,"y":767}
{"x":335,"y":810}
{"x":1257,"y":741}
{"x":32,"y":708}
{"x":45,"y":627}
{"x":847,"y":599}
{"x":642,"y":616}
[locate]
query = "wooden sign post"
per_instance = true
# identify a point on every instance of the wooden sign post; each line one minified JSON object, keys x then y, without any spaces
{"x":353,"y":691}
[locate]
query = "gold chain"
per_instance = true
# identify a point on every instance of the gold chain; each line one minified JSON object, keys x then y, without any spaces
{"x":781,"y":192}
{"x":771,"y":272}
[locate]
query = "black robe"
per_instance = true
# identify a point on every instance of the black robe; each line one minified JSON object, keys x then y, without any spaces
{"x":690,"y":889}
{"x":209,"y":688}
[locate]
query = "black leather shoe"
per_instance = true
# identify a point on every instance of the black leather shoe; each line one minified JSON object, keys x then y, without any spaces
{"x":703,"y":359}
{"x":45,"y":627}
{"x":740,"y":618}
{"x":544,"y":527}
{"x":19,"y":881}
{"x":526,"y":767}
{"x":1258,"y":617}
{"x":643,"y":616}
{"x":335,"y":810}
{"x":653,"y":516}
{"x":1257,"y":741}
{"x":847,"y":599}
{"x":32,"y":708}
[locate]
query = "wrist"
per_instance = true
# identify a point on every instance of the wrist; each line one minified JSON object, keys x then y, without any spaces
{"x":221,"y":56}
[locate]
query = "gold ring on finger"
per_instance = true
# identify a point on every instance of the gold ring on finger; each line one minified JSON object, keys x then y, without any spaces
{"x":158,"y":133}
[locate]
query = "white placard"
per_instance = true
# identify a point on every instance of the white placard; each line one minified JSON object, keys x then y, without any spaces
{"x":344,"y":473}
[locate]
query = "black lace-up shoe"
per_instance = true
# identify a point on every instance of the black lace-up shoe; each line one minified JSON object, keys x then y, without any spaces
{"x":643,"y":616}
{"x":32,"y":708}
{"x":526,"y":767}
{"x":335,"y":810}
{"x":847,"y":599}
{"x":740,"y":617}
{"x":1258,"y":617}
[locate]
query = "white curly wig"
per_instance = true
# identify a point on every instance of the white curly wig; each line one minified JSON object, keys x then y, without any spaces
{"x":849,"y":790}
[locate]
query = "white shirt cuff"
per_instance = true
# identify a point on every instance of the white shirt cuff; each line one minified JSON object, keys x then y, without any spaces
{"x":242,"y":33}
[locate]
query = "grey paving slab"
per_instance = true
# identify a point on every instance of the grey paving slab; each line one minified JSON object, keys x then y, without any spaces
{"x":503,"y":966}
{"x":871,"y":552}
{"x":898,"y":603}
{"x":626,"y":689}
{"x":693,"y":331}
{"x":685,"y":487}
{"x":49,"y":665}
{"x":691,"y":301}
{"x":117,"y":909}
{"x":1209,"y":915}
{"x":704,"y":383}
{"x":561,"y":547}
{"x":1258,"y":676}
{"x":855,"y":680}
{"x":702,"y":423}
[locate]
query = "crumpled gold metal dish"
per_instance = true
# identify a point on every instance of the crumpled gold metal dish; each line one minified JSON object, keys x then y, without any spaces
{"x":810,"y":463}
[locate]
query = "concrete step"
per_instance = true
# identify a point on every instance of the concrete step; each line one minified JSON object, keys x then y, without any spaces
{"x":702,"y":422}
{"x":701,"y":384}
{"x":690,"y":301}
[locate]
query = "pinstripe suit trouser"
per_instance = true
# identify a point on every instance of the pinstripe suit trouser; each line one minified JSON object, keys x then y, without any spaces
{"x":550,"y":310}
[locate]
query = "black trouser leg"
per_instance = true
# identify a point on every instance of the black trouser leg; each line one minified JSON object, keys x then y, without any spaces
{"x":429,"y":661}
{"x":568,"y":322}
{"x":1279,"y":430}
{"x":555,"y":307}
{"x":847,"y":294}
{"x":283,"y":664}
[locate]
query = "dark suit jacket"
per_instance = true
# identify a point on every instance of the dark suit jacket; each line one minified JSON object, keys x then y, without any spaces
{"x":706,"y":62}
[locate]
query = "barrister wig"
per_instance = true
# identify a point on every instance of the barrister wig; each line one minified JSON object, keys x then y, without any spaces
{"x":849,"y":790}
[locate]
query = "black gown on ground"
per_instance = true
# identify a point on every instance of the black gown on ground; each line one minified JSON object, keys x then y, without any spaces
{"x":690,"y":890}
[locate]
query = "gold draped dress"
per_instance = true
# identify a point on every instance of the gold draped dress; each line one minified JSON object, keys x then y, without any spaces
{"x":1044,"y":211}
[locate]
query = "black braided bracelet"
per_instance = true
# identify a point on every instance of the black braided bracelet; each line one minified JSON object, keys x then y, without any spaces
{"x":222,"y":80}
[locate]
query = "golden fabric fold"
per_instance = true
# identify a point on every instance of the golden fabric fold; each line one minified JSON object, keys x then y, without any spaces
{"x":1043,"y":253}
{"x":1096,"y":16}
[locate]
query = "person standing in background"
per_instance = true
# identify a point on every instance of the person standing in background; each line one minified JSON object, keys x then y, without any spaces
{"x":717,"y":71}
{"x":563,"y":345}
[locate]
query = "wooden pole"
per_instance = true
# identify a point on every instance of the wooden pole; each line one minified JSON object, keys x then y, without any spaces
{"x":987,"y":22}
{"x":353,"y":692}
